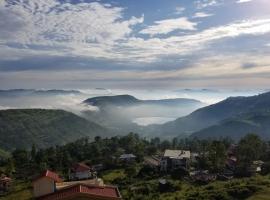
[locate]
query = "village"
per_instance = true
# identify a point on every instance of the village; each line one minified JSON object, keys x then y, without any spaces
{"x":85,"y":181}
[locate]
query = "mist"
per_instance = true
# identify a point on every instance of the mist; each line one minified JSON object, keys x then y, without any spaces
{"x":140,"y":114}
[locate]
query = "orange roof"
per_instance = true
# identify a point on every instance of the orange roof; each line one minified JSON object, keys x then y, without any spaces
{"x":93,"y":192}
{"x":80,"y":167}
{"x":49,"y":174}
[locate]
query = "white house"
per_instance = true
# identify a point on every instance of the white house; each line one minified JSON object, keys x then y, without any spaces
{"x":81,"y":171}
{"x":174,"y":159}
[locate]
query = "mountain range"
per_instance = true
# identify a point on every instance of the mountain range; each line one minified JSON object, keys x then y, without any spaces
{"x":27,"y":92}
{"x":233,"y":117}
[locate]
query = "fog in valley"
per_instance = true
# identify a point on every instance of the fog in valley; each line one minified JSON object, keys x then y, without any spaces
{"x":71,"y":100}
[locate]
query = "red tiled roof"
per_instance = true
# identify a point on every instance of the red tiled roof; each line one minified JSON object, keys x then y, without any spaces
{"x":106,"y":192}
{"x":49,"y":174}
{"x":80,"y":167}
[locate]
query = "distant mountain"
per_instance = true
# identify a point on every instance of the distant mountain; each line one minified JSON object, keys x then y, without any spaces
{"x":56,"y":92}
{"x":20,"y":128}
{"x":238,"y":127}
{"x":213,"y":114}
{"x":119,"y":100}
{"x":128,"y":100}
{"x":27,"y":92}
{"x":122,"y":111}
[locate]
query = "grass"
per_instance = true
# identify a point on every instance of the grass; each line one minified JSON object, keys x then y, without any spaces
{"x":111,"y":175}
{"x":20,"y":191}
{"x":262,"y":195}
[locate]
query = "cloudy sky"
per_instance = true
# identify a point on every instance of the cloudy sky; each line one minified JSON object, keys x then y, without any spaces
{"x":134,"y":44}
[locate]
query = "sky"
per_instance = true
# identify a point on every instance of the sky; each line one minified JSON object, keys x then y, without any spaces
{"x":138,"y":44}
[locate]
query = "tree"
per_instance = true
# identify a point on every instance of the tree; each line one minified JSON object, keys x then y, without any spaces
{"x":217,"y":156}
{"x":249,"y":148}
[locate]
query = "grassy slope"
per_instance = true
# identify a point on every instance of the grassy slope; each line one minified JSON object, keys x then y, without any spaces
{"x":262,"y":195}
{"x":22,"y":128}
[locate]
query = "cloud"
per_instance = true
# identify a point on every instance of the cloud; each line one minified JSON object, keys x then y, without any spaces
{"x":243,"y":1}
{"x":179,"y":10}
{"x":202,"y":15}
{"x":154,"y":49}
{"x":200,"y":4}
{"x":63,"y":26}
{"x":168,"y":25}
{"x":96,"y":32}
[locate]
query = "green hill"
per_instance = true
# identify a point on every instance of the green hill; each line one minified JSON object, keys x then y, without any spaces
{"x":238,"y":127}
{"x":20,"y":128}
{"x":213,"y":114}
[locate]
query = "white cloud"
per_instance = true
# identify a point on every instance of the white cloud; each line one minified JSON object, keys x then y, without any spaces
{"x":154,"y":49}
{"x":50,"y":23}
{"x":179,"y":10}
{"x":168,"y":25}
{"x":202,"y":15}
{"x":243,"y":1}
{"x":200,"y":4}
{"x":95,"y":30}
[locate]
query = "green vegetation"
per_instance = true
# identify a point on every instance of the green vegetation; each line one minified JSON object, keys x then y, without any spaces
{"x":21,"y":190}
{"x":236,"y":127}
{"x":44,"y":128}
{"x":261,"y":195}
{"x":254,"y":109}
{"x":139,"y":181}
{"x":111,"y":175}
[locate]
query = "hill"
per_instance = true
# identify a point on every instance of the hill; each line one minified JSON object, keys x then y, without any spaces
{"x":213,"y":114}
{"x":122,"y":112}
{"x":20,"y":128}
{"x":238,"y":127}
{"x":128,"y":100}
{"x":118,"y":100}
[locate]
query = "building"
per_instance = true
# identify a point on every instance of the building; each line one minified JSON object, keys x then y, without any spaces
{"x":81,"y":171}
{"x":48,"y":186}
{"x":127,"y":158}
{"x":45,"y":183}
{"x":175,"y":159}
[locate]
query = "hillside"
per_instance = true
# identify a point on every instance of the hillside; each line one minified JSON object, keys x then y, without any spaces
{"x":22,"y":128}
{"x":238,"y":127}
{"x":119,"y":100}
{"x":128,"y":100}
{"x":213,"y":114}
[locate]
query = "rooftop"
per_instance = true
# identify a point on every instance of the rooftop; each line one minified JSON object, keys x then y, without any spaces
{"x":176,"y":154}
{"x":79,"y":190}
{"x":124,"y":156}
{"x":80,"y":167}
{"x":49,"y":174}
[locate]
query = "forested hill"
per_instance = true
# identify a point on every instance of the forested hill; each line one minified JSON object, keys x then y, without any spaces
{"x":237,"y":127}
{"x":214,"y":114}
{"x":20,"y":128}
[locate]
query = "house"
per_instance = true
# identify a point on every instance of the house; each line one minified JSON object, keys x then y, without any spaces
{"x":45,"y":183}
{"x":175,"y":159}
{"x":152,"y":161}
{"x":81,"y":171}
{"x":231,"y":163}
{"x":257,"y":166}
{"x":5,"y":183}
{"x":48,"y":186}
{"x":127,"y":158}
